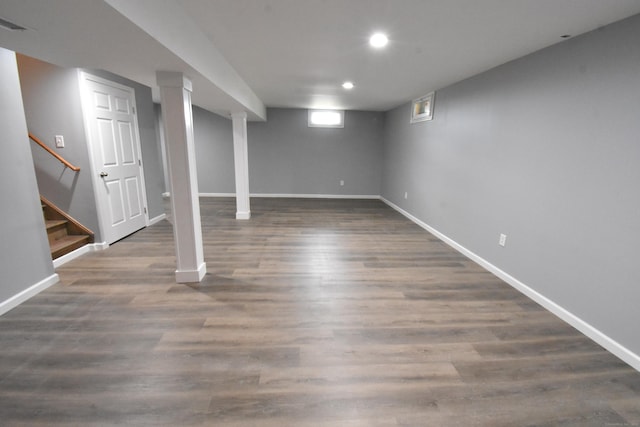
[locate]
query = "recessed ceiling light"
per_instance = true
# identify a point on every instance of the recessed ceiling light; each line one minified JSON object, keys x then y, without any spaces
{"x":378,"y":40}
{"x":347,"y":85}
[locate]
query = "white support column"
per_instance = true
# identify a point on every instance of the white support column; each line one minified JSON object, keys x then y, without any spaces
{"x":241,"y":160}
{"x":175,"y":95}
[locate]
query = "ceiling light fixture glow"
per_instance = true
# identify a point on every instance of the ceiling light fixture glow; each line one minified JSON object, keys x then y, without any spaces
{"x":378,"y":40}
{"x":347,"y":85}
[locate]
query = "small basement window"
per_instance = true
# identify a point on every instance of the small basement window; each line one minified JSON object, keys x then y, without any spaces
{"x":326,"y":118}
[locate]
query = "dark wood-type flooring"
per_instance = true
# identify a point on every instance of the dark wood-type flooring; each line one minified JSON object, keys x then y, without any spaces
{"x":313,"y":313}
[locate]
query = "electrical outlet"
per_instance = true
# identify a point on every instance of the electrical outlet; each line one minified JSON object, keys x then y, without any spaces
{"x":406,"y":195}
{"x":502,"y":241}
{"x":341,"y":183}
{"x":59,"y":141}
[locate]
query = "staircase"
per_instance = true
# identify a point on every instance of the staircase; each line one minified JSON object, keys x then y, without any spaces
{"x":65,"y":233}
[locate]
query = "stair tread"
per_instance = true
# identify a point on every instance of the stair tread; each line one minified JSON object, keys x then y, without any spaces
{"x":67,"y":240}
{"x":67,"y":243}
{"x":51,"y":223}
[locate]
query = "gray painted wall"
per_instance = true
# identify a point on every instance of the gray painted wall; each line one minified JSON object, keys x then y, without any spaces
{"x":288,"y":157}
{"x":52,"y":103}
{"x":544,"y":149}
{"x":24,"y":254}
{"x":214,"y":152}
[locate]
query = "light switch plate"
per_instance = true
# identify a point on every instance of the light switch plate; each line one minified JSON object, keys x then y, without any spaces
{"x":59,"y":141}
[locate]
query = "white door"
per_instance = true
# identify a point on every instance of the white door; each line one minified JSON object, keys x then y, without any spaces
{"x":112,"y":129}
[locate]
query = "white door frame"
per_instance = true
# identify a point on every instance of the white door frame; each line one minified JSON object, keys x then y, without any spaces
{"x":87,"y":109}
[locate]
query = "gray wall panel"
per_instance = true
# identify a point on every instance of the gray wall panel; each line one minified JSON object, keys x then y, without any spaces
{"x":25,"y":258}
{"x":288,"y":157}
{"x":51,"y":97}
{"x":544,"y":149}
{"x":214,"y":150}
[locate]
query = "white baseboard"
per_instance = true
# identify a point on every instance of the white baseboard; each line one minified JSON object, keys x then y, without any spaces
{"x":318,"y":196}
{"x":243,"y":215}
{"x":297,"y":196}
{"x":21,"y":297}
{"x":191,"y":276}
{"x":596,"y":335}
{"x":217,"y":194}
{"x":157,"y":219}
{"x":91,"y":247}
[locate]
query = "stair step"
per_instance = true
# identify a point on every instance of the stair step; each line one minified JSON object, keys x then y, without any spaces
{"x":65,"y":234}
{"x":66,"y":244}
{"x":53,"y":223}
{"x":56,"y":229}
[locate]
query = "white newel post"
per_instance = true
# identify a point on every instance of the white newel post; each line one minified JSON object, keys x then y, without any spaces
{"x":175,"y":95}
{"x":241,"y":160}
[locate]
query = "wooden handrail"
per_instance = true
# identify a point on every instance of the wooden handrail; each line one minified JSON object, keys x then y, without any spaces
{"x":53,"y":153}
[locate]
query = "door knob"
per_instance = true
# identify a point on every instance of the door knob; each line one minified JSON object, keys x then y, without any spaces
{"x":103,"y":174}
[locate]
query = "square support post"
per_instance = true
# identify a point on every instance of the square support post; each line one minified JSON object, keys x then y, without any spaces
{"x":177,"y":116}
{"x":241,"y":160}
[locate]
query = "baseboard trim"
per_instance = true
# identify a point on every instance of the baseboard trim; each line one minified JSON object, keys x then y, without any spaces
{"x":21,"y":297}
{"x":91,"y":247}
{"x":317,"y":196}
{"x":157,"y":219}
{"x":217,"y":194}
{"x":243,"y":215}
{"x":191,"y":276}
{"x":587,"y":329}
{"x":297,"y":196}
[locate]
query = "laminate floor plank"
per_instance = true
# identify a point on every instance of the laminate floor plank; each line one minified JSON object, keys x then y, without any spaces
{"x":314,"y":313}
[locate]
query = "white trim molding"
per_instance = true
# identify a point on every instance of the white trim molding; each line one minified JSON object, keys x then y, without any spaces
{"x":298,"y":196}
{"x":243,"y":215}
{"x":317,"y":196}
{"x":91,"y":247}
{"x":21,"y":297}
{"x":191,"y":276}
{"x":587,"y":329}
{"x":217,"y":194}
{"x":157,"y":219}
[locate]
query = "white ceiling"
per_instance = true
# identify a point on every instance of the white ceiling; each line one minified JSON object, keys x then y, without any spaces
{"x":297,"y":53}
